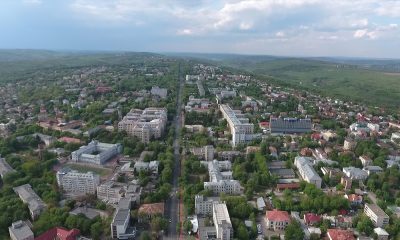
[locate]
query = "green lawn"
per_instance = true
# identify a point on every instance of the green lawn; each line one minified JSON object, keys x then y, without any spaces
{"x":82,"y":168}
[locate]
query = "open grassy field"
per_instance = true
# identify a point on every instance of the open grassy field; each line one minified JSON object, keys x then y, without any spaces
{"x":84,"y":168}
{"x":337,"y":80}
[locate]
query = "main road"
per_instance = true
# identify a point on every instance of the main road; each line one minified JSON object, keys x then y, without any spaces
{"x":172,"y":203}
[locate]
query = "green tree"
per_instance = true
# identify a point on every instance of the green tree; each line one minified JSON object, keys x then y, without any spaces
{"x":294,"y":232}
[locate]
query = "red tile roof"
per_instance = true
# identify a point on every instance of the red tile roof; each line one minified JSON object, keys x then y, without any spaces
{"x":282,"y":186}
{"x":311,"y":218}
{"x":338,"y":234}
{"x":277,"y":216}
{"x":69,"y":140}
{"x":152,"y":208}
{"x":355,"y":198}
{"x":59,"y":233}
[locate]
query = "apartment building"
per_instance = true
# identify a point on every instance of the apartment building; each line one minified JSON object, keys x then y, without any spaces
{"x":110,"y":192}
{"x":5,"y":167}
{"x":20,"y":230}
{"x":120,"y":223}
{"x":221,"y":178}
{"x":241,"y":129}
{"x":72,"y":181}
{"x":204,"y":205}
{"x":205,"y":152}
{"x":289,"y":125}
{"x":160,"y":92}
{"x":96,"y":152}
{"x":378,"y":217}
{"x":277,"y":220}
{"x":144,"y":124}
{"x":307,"y":172}
{"x":35,"y":204}
{"x":222,"y":222}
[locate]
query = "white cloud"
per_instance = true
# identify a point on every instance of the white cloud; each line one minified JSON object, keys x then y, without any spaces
{"x":280,"y":34}
{"x":185,"y":32}
{"x":360,"y":33}
{"x":245,"y":26}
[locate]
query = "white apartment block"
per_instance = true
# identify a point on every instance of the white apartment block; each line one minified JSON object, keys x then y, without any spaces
{"x":221,"y":178}
{"x":96,"y":152}
{"x":72,"y":181}
{"x":110,"y":192}
{"x":204,"y":205}
{"x":378,"y":217}
{"x":35,"y":204}
{"x":120,"y":224}
{"x":241,"y":130}
{"x":307,"y":171}
{"x":222,"y":222}
{"x":144,"y":124}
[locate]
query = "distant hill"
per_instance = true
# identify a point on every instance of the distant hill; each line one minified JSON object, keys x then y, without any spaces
{"x":372,"y":81}
{"x":338,"y":80}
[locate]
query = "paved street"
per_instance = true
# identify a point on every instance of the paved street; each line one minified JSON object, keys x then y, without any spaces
{"x":172,"y":204}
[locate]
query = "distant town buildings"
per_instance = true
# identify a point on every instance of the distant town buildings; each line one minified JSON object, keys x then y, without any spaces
{"x":72,"y":181}
{"x":289,"y":125}
{"x":96,"y":153}
{"x":144,"y":124}
{"x":28,"y":196}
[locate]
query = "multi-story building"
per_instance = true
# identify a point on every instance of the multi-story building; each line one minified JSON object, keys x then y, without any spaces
{"x":204,"y":205}
{"x":349,"y":144}
{"x":110,"y":192}
{"x":5,"y":167}
{"x":206,"y":152}
{"x":222,"y":221}
{"x":19,"y":230}
{"x":365,"y":160}
{"x":120,"y":223}
{"x":241,"y":129}
{"x":144,"y":124}
{"x":307,"y":172}
{"x":35,"y":204}
{"x":96,"y":152}
{"x":197,"y":104}
{"x":221,"y":178}
{"x":395,"y":138}
{"x":378,"y":217}
{"x":157,"y":91}
{"x":289,"y":125}
{"x":355,"y":173}
{"x":72,"y":181}
{"x":277,"y":220}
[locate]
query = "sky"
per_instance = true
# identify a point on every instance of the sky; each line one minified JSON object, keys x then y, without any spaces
{"x":349,"y":28}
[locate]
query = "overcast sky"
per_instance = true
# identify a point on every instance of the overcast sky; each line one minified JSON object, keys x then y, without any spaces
{"x":358,"y":28}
